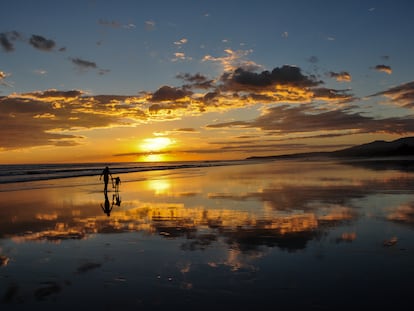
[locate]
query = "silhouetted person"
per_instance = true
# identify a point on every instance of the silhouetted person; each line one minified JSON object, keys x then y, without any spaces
{"x":107,"y":208}
{"x":105,"y":174}
{"x":115,"y":182}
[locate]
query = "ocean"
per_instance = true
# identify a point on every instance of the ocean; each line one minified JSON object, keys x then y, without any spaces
{"x":16,"y":173}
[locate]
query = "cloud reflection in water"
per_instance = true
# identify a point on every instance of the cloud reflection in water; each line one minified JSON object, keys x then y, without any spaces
{"x":237,"y":233}
{"x":287,"y":209}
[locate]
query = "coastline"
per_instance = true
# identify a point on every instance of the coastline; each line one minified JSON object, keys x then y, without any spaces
{"x":396,"y":153}
{"x":15,"y":173}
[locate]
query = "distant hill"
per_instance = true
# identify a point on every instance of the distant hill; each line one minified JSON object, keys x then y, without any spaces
{"x":379,"y":148}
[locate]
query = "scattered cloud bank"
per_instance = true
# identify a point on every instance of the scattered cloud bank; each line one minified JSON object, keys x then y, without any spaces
{"x":401,"y":95}
{"x":39,"y":42}
{"x":305,"y":119}
{"x":8,"y":40}
{"x":292,"y":103}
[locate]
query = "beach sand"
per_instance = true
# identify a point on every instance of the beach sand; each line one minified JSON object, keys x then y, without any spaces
{"x":297,"y":234}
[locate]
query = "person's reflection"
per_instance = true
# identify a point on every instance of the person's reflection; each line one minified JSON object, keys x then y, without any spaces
{"x":107,"y":207}
{"x":116,"y":199}
{"x":115,"y":183}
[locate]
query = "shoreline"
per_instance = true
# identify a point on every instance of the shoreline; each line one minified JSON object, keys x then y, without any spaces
{"x":52,"y":173}
{"x":43,"y":172}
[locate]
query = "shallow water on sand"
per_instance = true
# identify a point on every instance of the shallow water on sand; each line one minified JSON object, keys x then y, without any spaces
{"x":297,"y":234}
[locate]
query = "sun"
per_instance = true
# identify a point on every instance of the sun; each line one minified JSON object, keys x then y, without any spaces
{"x":154,"y":149}
{"x":155,"y":144}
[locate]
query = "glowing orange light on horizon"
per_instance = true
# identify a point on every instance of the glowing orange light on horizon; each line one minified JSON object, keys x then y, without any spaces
{"x":153,"y":158}
{"x":155,"y":146}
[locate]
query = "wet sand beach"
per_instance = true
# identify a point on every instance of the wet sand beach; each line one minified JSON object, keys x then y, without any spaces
{"x":282,"y":234}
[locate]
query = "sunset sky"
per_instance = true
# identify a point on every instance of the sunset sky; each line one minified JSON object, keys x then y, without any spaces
{"x":92,"y":81}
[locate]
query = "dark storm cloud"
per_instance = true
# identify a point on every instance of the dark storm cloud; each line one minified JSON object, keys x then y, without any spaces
{"x":285,"y":119}
{"x":168,"y":93}
{"x":83,"y":63}
{"x":42,"y":43}
{"x":242,"y":79}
